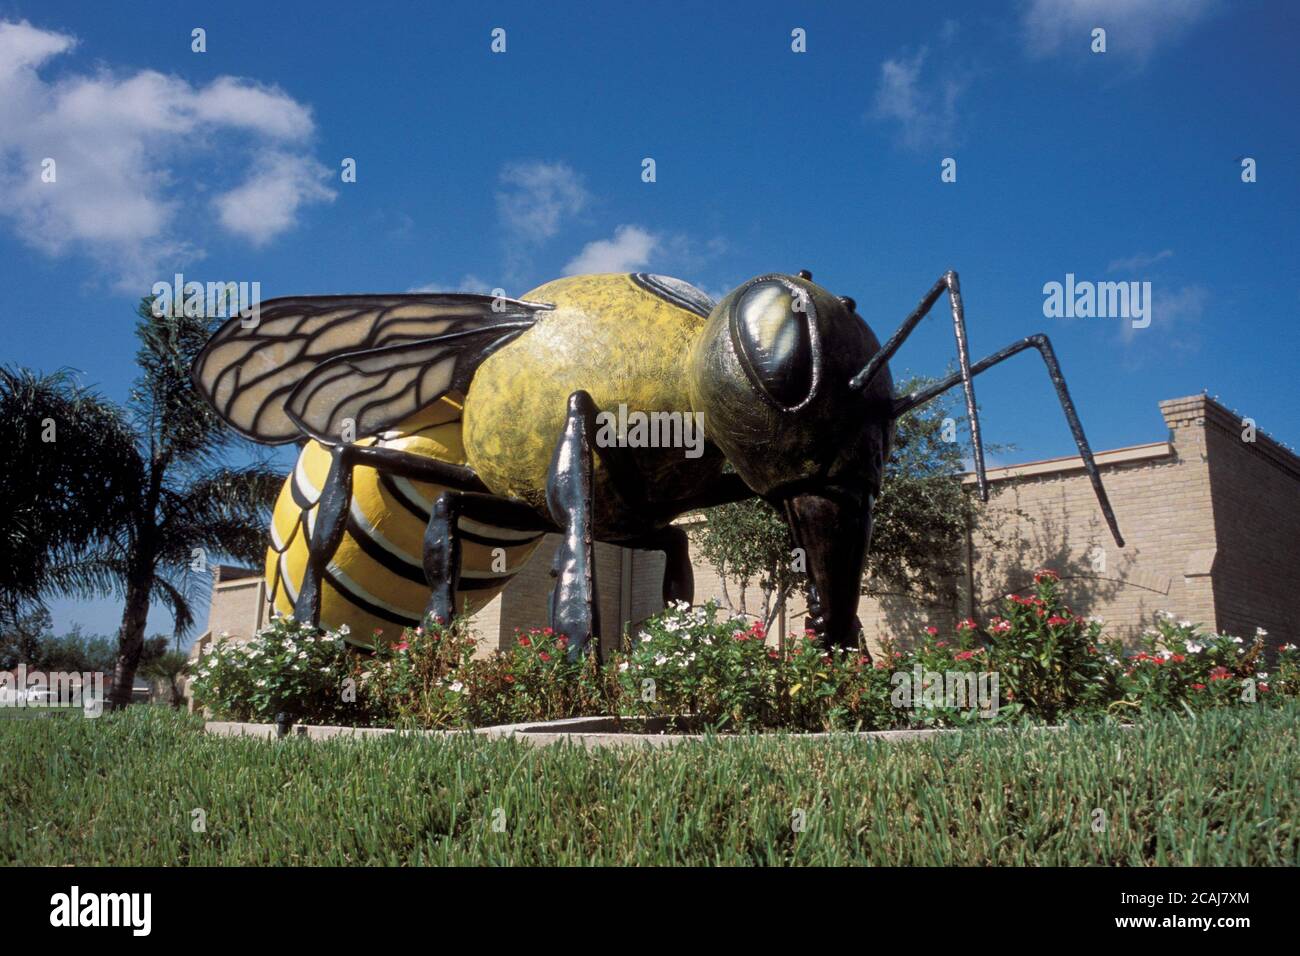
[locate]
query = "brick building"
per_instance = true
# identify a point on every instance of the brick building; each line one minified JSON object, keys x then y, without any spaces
{"x":1210,"y":514}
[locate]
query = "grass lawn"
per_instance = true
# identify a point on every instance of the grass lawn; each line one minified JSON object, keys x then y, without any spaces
{"x":1222,"y":789}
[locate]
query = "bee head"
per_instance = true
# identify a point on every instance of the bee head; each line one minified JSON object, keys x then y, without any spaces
{"x":771,"y":374}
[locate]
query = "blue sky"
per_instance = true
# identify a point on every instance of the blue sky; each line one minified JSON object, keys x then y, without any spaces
{"x":477,"y":170}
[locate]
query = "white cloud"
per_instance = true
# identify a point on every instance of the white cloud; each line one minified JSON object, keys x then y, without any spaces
{"x":926,"y":110}
{"x":628,"y":251}
{"x":1139,"y":261}
{"x":119,"y":140}
{"x":537,"y":198}
{"x":268,"y":201}
{"x":1135,"y":26}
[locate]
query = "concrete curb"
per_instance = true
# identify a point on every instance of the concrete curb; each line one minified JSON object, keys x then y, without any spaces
{"x":587,"y":732}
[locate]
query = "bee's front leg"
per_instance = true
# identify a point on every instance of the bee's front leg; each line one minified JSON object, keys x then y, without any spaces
{"x":575,"y":610}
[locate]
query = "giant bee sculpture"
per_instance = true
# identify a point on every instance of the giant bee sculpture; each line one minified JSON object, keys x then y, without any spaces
{"x":448,"y":432}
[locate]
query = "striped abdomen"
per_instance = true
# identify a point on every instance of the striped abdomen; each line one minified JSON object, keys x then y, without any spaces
{"x":375,"y":581}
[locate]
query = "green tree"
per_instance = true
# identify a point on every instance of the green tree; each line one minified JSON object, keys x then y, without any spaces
{"x":919,"y":521}
{"x":174,"y":506}
{"x":65,"y":450}
{"x":167,"y":670}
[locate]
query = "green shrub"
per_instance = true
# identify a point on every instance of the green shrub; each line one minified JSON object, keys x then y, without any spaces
{"x":1038,"y":662}
{"x":286,"y":667}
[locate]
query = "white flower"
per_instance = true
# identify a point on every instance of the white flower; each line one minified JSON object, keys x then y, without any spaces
{"x":623,"y":666}
{"x":458,"y":686}
{"x":1288,"y":647}
{"x":660,"y":661}
{"x":261,"y":683}
{"x":1237,"y":640}
{"x":302,"y":655}
{"x":1184,"y":623}
{"x":1260,"y":632}
{"x":1194,"y":648}
{"x":1164,"y":615}
{"x":1096,"y":620}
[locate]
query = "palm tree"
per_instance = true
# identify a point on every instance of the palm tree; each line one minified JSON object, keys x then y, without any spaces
{"x":175,"y":505}
{"x":63,"y":444}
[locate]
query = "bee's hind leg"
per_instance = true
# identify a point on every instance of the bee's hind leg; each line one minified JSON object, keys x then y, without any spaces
{"x":442,"y":540}
{"x":575,"y":611}
{"x":326,"y":533}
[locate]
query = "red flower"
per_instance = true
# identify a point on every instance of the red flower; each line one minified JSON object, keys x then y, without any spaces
{"x":510,"y":678}
{"x":932,"y":631}
{"x":965,"y":655}
{"x":966,"y":625}
{"x":401,"y":647}
{"x":1045,"y":574}
{"x":940,"y":643}
{"x":773,"y":654}
{"x":1056,"y":620}
{"x":544,"y":656}
{"x":1178,"y":658}
{"x":1220,"y":673}
{"x":1263,"y":688}
{"x":524,"y":641}
{"x":561,"y":642}
{"x":547,"y":630}
{"x":1198,"y":687}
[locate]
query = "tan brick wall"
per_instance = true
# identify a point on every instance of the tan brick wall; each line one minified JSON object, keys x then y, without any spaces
{"x":1255,"y":490}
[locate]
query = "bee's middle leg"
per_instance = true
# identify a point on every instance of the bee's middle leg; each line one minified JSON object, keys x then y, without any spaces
{"x":575,"y":610}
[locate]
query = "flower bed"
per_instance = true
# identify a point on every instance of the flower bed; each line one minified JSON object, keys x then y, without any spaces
{"x":1036,"y":662}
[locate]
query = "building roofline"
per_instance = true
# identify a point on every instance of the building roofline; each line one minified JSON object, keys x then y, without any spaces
{"x":1048,"y":466}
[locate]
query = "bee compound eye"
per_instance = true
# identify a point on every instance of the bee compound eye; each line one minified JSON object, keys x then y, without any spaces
{"x":774,"y":339}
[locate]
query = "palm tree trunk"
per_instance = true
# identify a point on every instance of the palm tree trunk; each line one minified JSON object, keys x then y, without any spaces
{"x":130,"y":642}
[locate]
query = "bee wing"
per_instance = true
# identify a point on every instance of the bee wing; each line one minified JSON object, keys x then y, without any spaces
{"x":248,"y":373}
{"x":377,"y":388}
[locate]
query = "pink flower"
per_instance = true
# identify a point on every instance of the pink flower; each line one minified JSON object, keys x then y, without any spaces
{"x":966,"y":625}
{"x":1045,"y":574}
{"x":401,"y":647}
{"x":524,"y":641}
{"x":1220,"y":673}
{"x":965,"y":655}
{"x":544,"y":656}
{"x":932,"y":631}
{"x":1056,"y":620}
